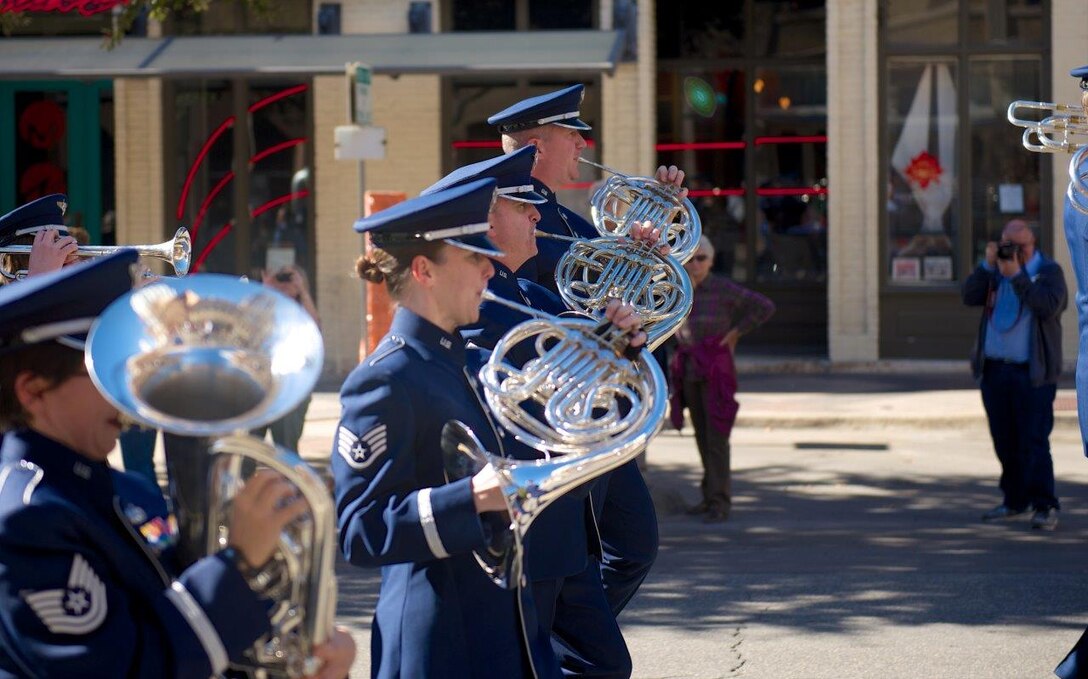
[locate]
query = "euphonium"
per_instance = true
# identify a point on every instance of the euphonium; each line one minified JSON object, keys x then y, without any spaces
{"x":210,"y":356}
{"x":591,"y":273}
{"x":572,"y":391}
{"x":624,"y":201}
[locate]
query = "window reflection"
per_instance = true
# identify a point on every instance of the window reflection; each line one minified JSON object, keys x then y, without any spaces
{"x":1006,"y":179}
{"x":1011,"y":22}
{"x":922,"y":22}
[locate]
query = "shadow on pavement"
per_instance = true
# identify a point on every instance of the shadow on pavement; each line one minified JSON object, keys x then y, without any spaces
{"x":829,"y":552}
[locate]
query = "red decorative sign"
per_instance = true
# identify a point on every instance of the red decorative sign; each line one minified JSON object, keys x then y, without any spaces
{"x":41,"y":179}
{"x":923,"y":169}
{"x":42,"y":124}
{"x":84,"y":7}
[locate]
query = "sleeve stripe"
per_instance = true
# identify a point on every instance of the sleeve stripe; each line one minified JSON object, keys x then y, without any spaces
{"x":202,"y":627}
{"x":430,"y":529}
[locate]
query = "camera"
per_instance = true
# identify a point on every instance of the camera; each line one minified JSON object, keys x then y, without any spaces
{"x":1007,"y":251}
{"x":284,"y":276}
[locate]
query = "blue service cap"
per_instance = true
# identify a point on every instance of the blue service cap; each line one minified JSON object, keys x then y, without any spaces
{"x":512,"y":174}
{"x":62,"y":305}
{"x":457,"y":215}
{"x":46,"y":212}
{"x":555,"y":108}
{"x":1081,"y":73}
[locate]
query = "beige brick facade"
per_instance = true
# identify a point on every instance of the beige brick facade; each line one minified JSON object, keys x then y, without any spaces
{"x":853,"y":177}
{"x":338,"y":203}
{"x":138,"y":117}
{"x":377,"y":16}
{"x":409,"y":107}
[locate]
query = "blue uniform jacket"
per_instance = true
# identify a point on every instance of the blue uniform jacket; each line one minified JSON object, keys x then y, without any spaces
{"x":555,"y":219}
{"x":86,"y":583}
{"x":1076,"y":235}
{"x":438,"y":615}
{"x":563,"y":536}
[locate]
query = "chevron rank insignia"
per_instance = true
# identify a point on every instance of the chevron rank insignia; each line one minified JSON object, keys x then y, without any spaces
{"x":360,"y":451}
{"x":79,"y":608}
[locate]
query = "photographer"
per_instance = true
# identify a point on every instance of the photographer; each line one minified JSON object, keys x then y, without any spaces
{"x":1017,"y":360}
{"x":291,"y":281}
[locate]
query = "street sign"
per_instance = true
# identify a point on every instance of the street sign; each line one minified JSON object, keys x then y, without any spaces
{"x":361,"y":106}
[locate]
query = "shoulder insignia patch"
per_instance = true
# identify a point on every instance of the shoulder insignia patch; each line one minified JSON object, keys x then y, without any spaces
{"x":360,"y":451}
{"x":387,"y":347}
{"x":79,"y":608}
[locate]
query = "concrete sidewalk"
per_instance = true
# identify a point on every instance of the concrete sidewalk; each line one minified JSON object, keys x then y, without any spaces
{"x":806,"y":400}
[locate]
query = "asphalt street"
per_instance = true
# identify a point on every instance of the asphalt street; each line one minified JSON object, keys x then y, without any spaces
{"x":851,"y":552}
{"x":854,"y":549}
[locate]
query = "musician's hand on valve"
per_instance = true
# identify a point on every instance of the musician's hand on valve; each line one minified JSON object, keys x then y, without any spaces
{"x":672,"y":175}
{"x":623,"y":316}
{"x":336,"y":656}
{"x":487,"y":491}
{"x":262,"y":508}
{"x":49,"y":253}
{"x":646,"y":233}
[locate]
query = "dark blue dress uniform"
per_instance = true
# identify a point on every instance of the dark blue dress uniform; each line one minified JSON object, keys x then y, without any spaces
{"x":554,"y":108}
{"x":566,"y":582}
{"x":87,"y":584}
{"x":1075,"y":664}
{"x":438,"y":614}
{"x":627,"y":522}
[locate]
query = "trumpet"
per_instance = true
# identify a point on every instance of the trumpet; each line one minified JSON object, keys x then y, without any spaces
{"x":591,"y":273}
{"x":177,"y":251}
{"x":623,"y":201}
{"x":580,"y":392}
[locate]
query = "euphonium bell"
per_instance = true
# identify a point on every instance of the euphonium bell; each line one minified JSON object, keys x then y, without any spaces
{"x":562,"y":386}
{"x":208,"y":356}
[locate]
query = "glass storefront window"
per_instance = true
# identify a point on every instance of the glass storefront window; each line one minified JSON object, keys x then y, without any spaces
{"x":701,"y":30}
{"x":701,"y":121}
{"x":279,"y":178}
{"x":41,"y":144}
{"x":923,"y":194}
{"x":1015,"y":22}
{"x":793,"y":28}
{"x":241,"y":174}
{"x":922,"y":22}
{"x":205,"y":132}
{"x":1005,"y":178}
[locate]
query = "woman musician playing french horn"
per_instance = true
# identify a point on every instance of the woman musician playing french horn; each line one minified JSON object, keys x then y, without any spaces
{"x":438,"y":614}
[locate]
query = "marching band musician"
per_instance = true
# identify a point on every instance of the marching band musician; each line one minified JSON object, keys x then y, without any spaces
{"x":628,"y":522}
{"x":40,"y":224}
{"x":563,"y":549}
{"x":87,"y":586}
{"x":438,"y":614}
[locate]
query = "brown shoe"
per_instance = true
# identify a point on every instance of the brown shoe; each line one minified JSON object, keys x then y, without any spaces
{"x":716,"y":515}
{"x":696,"y":510}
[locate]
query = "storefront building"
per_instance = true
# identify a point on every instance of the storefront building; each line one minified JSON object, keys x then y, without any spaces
{"x":850,"y":159}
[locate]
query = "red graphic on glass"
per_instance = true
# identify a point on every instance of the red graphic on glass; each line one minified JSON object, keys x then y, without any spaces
{"x":41,"y":179}
{"x":923,"y":169}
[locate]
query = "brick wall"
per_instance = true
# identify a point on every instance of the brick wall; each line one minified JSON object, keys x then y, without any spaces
{"x":337,"y":205}
{"x":853,"y":178}
{"x":410,"y":110}
{"x":139,"y":160}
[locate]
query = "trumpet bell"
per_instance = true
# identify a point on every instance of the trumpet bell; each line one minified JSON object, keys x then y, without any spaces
{"x":207,"y":355}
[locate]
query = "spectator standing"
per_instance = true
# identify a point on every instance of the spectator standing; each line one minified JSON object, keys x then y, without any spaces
{"x":1017,"y":360}
{"x":703,"y":375}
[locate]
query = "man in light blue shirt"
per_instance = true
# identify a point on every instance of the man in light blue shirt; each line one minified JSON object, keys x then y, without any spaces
{"x":1016,"y":361}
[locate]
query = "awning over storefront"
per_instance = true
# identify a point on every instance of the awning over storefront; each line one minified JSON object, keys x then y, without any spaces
{"x":250,"y":55}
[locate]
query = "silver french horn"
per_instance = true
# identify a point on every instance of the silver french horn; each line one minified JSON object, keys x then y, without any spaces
{"x":214,"y":356}
{"x":591,"y":273}
{"x":624,"y":201}
{"x":568,"y":387}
